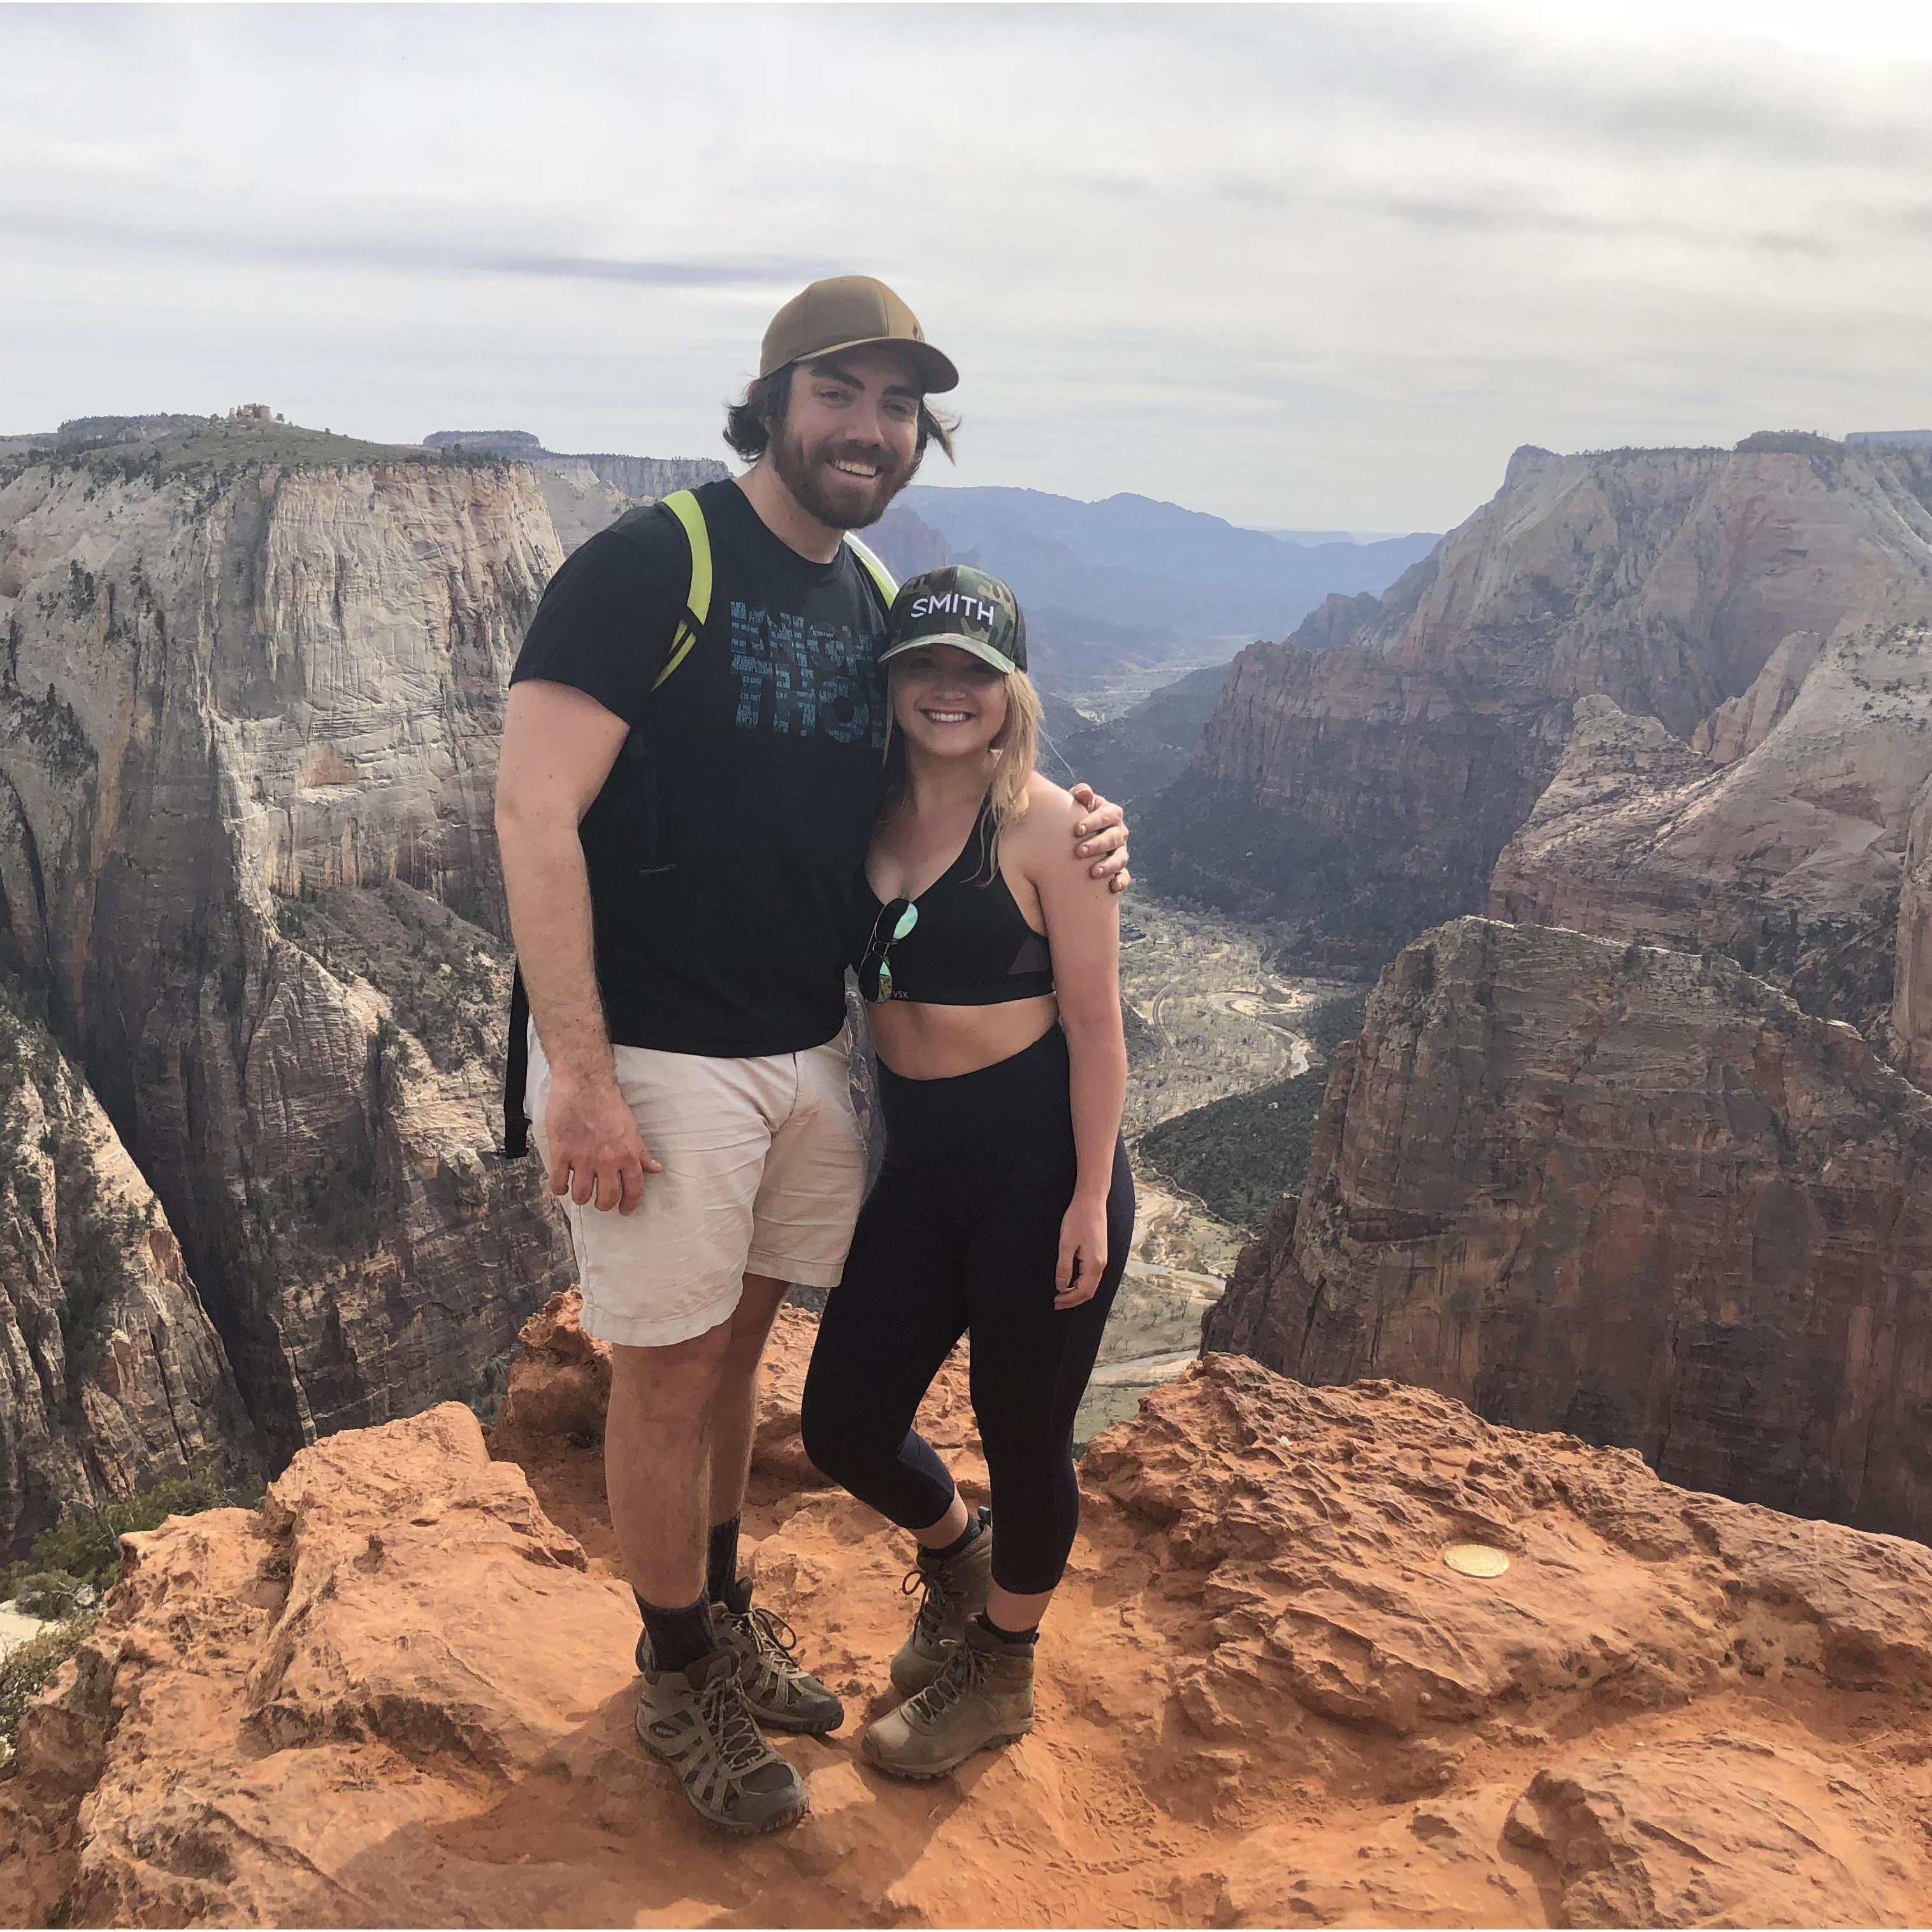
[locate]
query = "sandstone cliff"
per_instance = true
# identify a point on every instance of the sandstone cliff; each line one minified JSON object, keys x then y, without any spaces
{"x":250,"y":701}
{"x":1362,"y":791}
{"x":1630,"y":1193}
{"x":1911,"y":1014}
{"x":112,"y":1378}
{"x":402,"y":1693}
{"x":634,"y":478}
{"x":1779,"y":834}
{"x":585,"y":493}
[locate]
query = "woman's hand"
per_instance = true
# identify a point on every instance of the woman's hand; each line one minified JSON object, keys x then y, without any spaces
{"x":1083,"y":1252}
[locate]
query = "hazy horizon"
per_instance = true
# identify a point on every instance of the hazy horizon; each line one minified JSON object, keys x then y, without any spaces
{"x":1314,"y":266}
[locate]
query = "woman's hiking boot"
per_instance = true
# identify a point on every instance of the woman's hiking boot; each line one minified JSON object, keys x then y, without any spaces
{"x":956,"y":1588}
{"x":981,"y":1698}
{"x":698,"y":1723}
{"x":783,"y":1696}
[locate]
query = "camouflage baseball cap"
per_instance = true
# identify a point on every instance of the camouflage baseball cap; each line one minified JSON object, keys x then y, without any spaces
{"x":962,"y":606}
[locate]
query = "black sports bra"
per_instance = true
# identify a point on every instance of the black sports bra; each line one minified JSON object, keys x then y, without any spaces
{"x":969,"y":944}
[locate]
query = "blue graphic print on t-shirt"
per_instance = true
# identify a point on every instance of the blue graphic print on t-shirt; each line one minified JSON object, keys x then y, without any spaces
{"x":803,"y":680}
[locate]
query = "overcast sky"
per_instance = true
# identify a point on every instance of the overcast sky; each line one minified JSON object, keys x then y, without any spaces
{"x":1300,"y":265}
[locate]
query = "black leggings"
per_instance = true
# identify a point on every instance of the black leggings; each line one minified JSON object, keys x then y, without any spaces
{"x":961,"y":1231}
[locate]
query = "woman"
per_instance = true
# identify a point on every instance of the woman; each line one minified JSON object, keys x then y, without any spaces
{"x":1004,"y":1205}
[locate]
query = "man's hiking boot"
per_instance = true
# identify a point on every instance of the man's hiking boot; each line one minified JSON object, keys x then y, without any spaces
{"x":782,"y":1696}
{"x":956,"y":1587}
{"x":982,"y":1698}
{"x":698,"y":1723}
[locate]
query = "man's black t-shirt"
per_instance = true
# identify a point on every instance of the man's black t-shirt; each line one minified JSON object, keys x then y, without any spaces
{"x":722,"y":848}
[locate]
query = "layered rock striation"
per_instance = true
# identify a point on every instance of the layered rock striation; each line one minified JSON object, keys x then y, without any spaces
{"x":249,"y":713}
{"x":402,"y":1692}
{"x":1627,"y":1193}
{"x":111,"y":1377}
{"x":1361,"y":782}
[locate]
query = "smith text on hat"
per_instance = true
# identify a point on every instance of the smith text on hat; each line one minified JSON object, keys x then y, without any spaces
{"x":954,"y":604}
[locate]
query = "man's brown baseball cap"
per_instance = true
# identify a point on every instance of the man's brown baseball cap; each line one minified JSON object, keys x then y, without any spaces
{"x":852,"y":312}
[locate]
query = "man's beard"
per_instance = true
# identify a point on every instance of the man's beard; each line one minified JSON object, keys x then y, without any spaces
{"x":839,"y":501}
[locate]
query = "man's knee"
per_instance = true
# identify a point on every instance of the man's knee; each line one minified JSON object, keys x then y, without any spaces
{"x":750,"y":1325}
{"x":675,"y":1383}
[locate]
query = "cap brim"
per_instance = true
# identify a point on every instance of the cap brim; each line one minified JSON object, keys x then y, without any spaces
{"x":973,"y":646}
{"x":936,"y":372}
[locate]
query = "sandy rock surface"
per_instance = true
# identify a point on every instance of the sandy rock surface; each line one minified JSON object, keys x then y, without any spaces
{"x":402,"y":1694}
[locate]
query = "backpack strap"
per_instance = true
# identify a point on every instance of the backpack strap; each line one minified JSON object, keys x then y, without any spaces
{"x":875,"y":569}
{"x":684,"y":505}
{"x":516,"y":1071}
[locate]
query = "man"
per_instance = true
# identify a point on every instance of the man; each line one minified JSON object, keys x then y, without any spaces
{"x":679,"y":852}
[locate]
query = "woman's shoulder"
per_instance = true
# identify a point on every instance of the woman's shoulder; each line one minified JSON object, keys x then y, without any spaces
{"x":1043,"y":846}
{"x":1050,"y":800}
{"x":1049,"y":816}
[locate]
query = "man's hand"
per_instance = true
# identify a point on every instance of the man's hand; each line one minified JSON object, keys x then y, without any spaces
{"x":1101,"y":831}
{"x":596,"y":1153}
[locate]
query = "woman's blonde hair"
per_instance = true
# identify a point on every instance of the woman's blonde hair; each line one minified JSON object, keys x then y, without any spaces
{"x":1016,"y":744}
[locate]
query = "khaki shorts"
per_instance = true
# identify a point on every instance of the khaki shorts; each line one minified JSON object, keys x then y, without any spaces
{"x":763,"y":1171}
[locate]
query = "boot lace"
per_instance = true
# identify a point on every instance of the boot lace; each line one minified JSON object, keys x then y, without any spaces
{"x":727,"y":1721}
{"x":773,"y":1641}
{"x":945,"y":1596}
{"x":963,"y":1673}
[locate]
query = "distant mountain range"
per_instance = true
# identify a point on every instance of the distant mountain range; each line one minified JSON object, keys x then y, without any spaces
{"x":1127,"y":592}
{"x":1308,"y":538}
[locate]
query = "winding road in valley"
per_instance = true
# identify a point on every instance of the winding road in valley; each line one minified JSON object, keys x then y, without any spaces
{"x":1269,"y":1007}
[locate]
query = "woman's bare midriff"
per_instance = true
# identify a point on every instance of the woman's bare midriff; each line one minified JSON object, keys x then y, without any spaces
{"x":923,"y":1043}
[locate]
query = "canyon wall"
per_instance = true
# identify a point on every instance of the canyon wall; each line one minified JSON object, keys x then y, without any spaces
{"x":1630,"y":1193}
{"x":249,"y":713}
{"x":1361,"y":782}
{"x":111,"y":1377}
{"x":1911,"y":1014}
{"x":1779,"y":833}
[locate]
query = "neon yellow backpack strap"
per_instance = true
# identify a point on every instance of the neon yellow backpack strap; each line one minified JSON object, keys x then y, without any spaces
{"x":875,"y":569}
{"x":685,"y":508}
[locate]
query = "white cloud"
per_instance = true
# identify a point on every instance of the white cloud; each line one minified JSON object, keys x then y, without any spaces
{"x":1318,"y":266}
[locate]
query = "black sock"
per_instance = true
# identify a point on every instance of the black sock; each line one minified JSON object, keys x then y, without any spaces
{"x":720,"y":1568}
{"x":679,"y":1638}
{"x":971,"y":1534}
{"x":986,"y":1623}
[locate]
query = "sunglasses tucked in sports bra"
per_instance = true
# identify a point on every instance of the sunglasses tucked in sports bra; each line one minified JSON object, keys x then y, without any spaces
{"x":963,"y":942}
